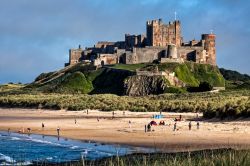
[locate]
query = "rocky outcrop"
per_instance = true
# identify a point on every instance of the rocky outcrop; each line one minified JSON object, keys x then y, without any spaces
{"x":142,"y":85}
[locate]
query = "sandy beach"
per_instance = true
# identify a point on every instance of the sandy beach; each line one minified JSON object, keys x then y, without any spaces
{"x":102,"y":127}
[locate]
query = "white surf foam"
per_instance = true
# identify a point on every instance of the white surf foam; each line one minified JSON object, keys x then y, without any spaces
{"x":44,"y":142}
{"x":74,"y":147}
{"x":7,"y":159}
{"x":49,"y":158}
{"x":15,"y":138}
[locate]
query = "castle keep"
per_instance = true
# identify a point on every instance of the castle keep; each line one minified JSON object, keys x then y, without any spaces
{"x":162,"y":43}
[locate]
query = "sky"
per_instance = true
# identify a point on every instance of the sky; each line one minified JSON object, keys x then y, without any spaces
{"x":36,"y":35}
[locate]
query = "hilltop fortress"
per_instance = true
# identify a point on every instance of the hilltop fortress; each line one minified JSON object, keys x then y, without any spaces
{"x":162,"y":43}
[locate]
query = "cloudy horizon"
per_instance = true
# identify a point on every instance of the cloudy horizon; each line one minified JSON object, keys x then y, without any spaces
{"x":35,"y":36}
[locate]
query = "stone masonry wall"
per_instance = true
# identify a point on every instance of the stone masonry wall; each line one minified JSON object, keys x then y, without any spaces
{"x":144,"y":55}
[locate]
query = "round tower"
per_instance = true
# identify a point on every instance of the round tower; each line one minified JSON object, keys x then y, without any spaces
{"x":209,"y":46}
{"x":172,"y":51}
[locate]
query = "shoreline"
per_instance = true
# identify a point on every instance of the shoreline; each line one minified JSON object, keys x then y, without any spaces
{"x":211,"y":135}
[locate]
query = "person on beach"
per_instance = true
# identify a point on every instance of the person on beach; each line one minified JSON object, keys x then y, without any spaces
{"x":190,"y":125}
{"x":113,"y":114}
{"x":97,"y":119}
{"x":198,"y":125}
{"x":149,"y":127}
{"x":180,"y":117}
{"x":29,"y":129}
{"x":129,"y":123}
{"x":75,"y":121}
{"x":43,"y":125}
{"x":87,"y":112}
{"x":58,"y":131}
{"x":175,"y":124}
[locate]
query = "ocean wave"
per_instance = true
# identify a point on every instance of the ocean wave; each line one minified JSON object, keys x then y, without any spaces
{"x":15,"y":138}
{"x":74,"y":147}
{"x":49,"y":158}
{"x":17,"y":163}
{"x":7,"y":159}
{"x":45,"y":142}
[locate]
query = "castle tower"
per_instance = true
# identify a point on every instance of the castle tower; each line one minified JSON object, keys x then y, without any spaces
{"x":172,"y":51}
{"x":209,"y":46}
{"x":75,"y":55}
{"x":159,"y":34}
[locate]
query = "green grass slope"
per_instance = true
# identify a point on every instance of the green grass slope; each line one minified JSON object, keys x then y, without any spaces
{"x":82,"y":78}
{"x":193,"y":73}
{"x":75,"y":83}
{"x":235,"y":80}
{"x":85,"y":79}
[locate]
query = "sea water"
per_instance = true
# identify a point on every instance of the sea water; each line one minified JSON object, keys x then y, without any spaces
{"x":27,"y":149}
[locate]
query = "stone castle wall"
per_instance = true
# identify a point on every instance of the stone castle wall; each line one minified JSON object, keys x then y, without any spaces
{"x":163,"y":42}
{"x":144,"y":55}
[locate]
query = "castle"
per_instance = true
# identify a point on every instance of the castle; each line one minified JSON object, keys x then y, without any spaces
{"x":162,"y":43}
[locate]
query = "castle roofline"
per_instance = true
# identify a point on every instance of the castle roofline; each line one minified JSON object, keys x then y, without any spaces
{"x":208,"y":34}
{"x":159,"y":21}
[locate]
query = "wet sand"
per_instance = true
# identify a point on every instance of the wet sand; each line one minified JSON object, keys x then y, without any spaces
{"x":211,"y":134}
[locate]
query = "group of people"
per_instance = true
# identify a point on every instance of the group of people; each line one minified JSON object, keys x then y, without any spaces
{"x":149,"y":125}
{"x":189,"y":125}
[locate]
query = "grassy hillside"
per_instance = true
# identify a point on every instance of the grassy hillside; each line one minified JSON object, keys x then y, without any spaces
{"x":232,"y":75}
{"x":10,"y":87}
{"x":193,"y":73}
{"x":86,"y":79}
{"x":75,"y":83}
{"x":235,"y":80}
{"x":82,"y":78}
